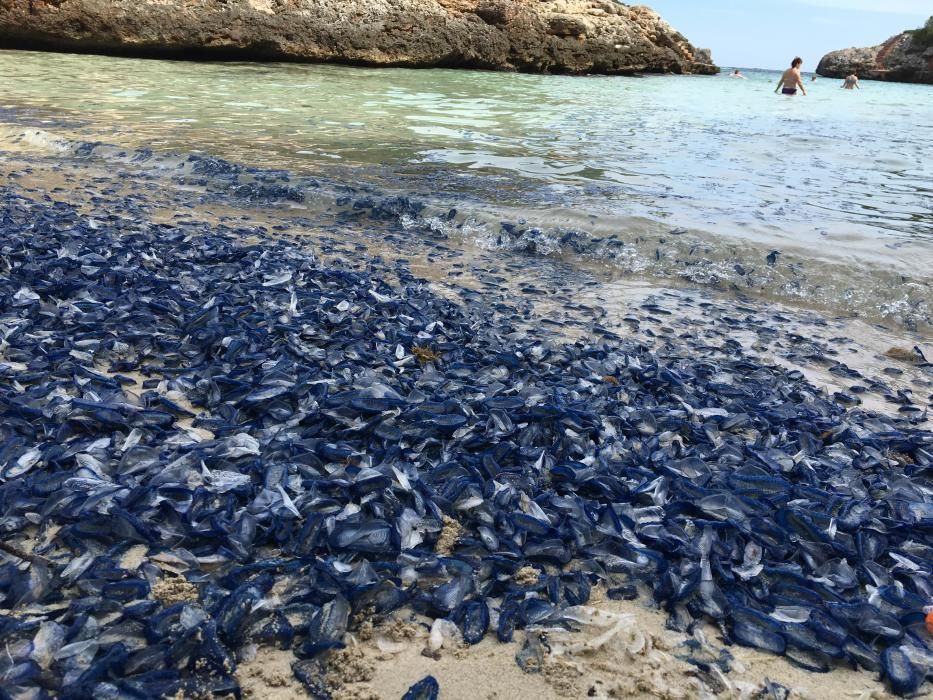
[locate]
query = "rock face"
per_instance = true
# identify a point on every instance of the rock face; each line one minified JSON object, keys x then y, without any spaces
{"x":899,"y":59}
{"x":559,"y":36}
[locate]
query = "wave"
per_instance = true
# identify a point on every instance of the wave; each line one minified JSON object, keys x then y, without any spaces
{"x":645,"y":249}
{"x":630,"y":246}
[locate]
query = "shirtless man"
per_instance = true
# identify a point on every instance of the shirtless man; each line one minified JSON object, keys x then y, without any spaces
{"x":791,"y":79}
{"x":851,"y":82}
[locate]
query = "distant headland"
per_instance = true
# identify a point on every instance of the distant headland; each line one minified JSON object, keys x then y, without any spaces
{"x":556,"y":36}
{"x":907,"y":58}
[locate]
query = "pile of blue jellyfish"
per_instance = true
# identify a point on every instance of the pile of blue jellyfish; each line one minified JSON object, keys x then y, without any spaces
{"x":274,"y":427}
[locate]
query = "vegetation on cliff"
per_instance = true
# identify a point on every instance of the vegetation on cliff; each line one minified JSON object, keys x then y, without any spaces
{"x":904,"y":58}
{"x":922,"y":38}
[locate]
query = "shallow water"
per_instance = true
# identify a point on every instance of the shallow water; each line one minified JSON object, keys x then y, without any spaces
{"x":837,"y":182}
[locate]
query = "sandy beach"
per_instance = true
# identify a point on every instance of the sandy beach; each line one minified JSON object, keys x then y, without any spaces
{"x":639,"y":659}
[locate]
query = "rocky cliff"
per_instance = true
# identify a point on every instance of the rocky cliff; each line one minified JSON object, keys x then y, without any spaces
{"x":902,"y":58}
{"x":559,"y":36}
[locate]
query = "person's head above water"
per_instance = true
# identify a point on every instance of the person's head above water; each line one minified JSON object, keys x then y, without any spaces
{"x":796,"y":63}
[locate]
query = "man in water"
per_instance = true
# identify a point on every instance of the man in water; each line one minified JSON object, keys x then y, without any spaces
{"x":851,"y":82}
{"x":737,"y":74}
{"x":790,"y":81}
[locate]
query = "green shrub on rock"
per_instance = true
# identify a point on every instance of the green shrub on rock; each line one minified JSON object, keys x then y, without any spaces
{"x":923,"y":37}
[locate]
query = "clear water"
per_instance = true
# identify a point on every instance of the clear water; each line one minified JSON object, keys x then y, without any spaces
{"x":839,"y":182}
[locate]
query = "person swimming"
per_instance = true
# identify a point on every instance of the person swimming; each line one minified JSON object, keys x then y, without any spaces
{"x":737,"y":74}
{"x":790,"y":80}
{"x":851,"y":82}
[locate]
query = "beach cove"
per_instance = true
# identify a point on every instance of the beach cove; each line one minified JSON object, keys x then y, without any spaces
{"x":321,"y":387}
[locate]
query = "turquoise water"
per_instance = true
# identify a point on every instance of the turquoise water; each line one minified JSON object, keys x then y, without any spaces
{"x":839,"y":182}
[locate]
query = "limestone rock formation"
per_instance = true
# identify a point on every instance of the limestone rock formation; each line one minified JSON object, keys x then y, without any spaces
{"x":559,"y":36}
{"x":902,"y":58}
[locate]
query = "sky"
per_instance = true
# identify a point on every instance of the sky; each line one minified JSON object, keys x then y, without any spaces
{"x":769,"y":33}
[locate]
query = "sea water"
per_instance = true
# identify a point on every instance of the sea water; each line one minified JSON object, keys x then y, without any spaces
{"x":823,"y":201}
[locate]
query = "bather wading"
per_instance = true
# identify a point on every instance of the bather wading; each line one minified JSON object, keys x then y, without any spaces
{"x":790,"y":80}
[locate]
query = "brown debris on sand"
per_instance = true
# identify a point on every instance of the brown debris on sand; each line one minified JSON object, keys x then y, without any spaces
{"x":170,"y":591}
{"x":449,"y":535}
{"x":424,"y":355}
{"x":349,"y":671}
{"x":527,"y":576}
{"x":902,"y":355}
{"x":269,"y":675}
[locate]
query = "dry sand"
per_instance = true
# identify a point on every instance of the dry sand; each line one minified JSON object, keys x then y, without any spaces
{"x":625,"y":652}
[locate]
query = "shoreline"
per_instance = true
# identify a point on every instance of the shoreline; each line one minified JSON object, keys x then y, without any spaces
{"x":501,"y":310}
{"x":891,"y":291}
{"x":833,"y":347}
